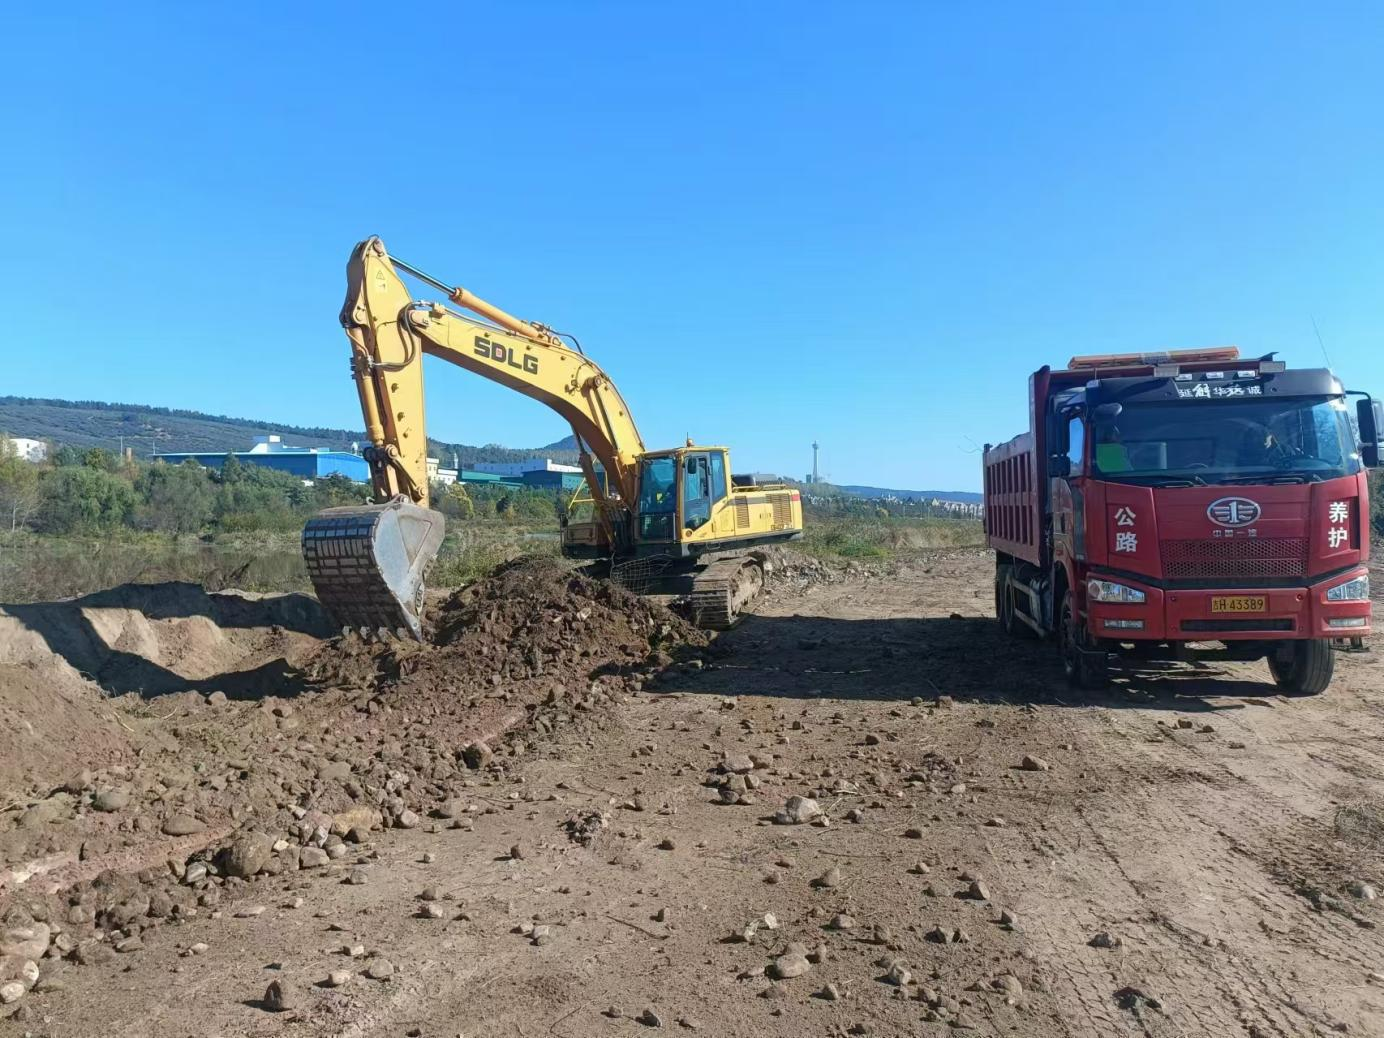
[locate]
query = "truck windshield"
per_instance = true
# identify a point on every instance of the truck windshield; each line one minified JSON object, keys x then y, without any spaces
{"x":1226,"y":441}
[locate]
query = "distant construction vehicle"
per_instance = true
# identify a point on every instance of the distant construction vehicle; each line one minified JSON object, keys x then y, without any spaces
{"x":1163,"y":500}
{"x":672,"y":523}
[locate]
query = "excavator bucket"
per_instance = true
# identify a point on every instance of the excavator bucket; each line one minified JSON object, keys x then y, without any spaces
{"x":367,"y":561}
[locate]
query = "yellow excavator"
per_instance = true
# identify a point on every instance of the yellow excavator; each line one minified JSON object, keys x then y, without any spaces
{"x":673,"y":523}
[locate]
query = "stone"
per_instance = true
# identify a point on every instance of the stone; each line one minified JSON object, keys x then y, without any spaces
{"x":1009,"y":920}
{"x":16,"y":968}
{"x":1009,"y":984}
{"x":1105,"y":940}
{"x":92,"y":952}
{"x":649,"y":1018}
{"x":407,"y":819}
{"x":111,"y":800}
{"x":129,"y":944}
{"x":1362,"y":890}
{"x":516,"y":853}
{"x":797,"y":811}
{"x":430,"y":911}
{"x":841,"y":921}
{"x":380,"y":969}
{"x":247,"y":855}
{"x":278,"y":996}
{"x":786,"y":967}
{"x":913,"y":834}
{"x":195,"y":873}
{"x":26,"y":942}
{"x":737,"y":763}
{"x":667,"y":844}
{"x":937,"y":935}
{"x":337,"y":979}
{"x":182,"y":825}
{"x":898,"y":975}
{"x":978,"y":891}
{"x":313,"y":858}
{"x":828,"y":880}
{"x":11,"y":992}
{"x":1031,"y":763}
{"x":357,"y":877}
{"x":477,"y":755}
{"x":832,"y":993}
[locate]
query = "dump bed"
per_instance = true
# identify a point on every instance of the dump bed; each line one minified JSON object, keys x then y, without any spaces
{"x":1012,"y":524}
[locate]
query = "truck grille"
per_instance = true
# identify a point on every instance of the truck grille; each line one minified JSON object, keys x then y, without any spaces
{"x":1248,"y":557}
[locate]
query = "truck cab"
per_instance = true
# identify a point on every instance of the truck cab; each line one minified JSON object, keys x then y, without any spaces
{"x":1192,"y":503}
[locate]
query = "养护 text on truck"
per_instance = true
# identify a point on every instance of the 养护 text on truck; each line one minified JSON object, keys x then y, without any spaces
{"x":1182,"y":505}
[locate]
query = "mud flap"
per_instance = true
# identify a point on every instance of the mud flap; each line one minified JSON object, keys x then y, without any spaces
{"x":367,"y":563}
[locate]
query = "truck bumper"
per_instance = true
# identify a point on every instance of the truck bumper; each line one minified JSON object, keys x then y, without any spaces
{"x":1187,"y":616}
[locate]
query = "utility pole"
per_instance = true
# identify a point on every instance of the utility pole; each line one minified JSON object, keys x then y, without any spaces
{"x":815,"y":477}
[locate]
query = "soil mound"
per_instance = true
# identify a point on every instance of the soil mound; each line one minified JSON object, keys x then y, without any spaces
{"x":60,"y":661}
{"x":260,"y":719}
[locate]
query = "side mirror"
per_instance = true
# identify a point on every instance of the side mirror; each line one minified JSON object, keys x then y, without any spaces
{"x":1059,"y":465}
{"x":1108,"y":412}
{"x":1369,"y":416}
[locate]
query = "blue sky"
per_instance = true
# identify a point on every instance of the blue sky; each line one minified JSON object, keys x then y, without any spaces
{"x":860,"y":223}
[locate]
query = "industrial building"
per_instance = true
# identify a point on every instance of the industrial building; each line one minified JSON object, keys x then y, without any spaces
{"x":307,"y":463}
{"x":539,"y":473}
{"x":23,"y":448}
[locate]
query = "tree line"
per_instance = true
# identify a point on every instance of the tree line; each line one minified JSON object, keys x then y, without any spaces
{"x":93,"y":491}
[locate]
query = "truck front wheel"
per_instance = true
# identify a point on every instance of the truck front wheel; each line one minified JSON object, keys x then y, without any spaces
{"x":1084,"y":669}
{"x":1302,"y":668}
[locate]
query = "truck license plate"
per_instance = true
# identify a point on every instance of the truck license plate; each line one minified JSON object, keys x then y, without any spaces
{"x":1238,"y":603}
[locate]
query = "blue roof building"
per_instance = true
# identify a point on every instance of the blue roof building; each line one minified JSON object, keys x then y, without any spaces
{"x":307,"y":463}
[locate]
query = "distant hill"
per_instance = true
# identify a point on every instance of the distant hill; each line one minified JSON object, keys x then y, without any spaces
{"x":146,"y":430}
{"x":912,"y":495}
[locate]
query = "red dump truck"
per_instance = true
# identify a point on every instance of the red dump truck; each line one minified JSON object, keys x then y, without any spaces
{"x":1186,"y":505}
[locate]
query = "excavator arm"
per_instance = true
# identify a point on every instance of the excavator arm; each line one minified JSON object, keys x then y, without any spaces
{"x":367,"y":562}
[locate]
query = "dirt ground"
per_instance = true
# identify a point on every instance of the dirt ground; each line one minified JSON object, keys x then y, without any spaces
{"x":1189,"y":854}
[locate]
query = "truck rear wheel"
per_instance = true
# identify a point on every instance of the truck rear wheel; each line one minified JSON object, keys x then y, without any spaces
{"x":1005,"y":609}
{"x":1306,"y":670}
{"x":1004,"y":603}
{"x":1084,"y":669}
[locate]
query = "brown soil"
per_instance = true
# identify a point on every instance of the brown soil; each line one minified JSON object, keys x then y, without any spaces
{"x":590,"y":872}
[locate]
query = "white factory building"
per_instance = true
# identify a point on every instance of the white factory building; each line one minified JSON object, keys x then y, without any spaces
{"x":24,"y":448}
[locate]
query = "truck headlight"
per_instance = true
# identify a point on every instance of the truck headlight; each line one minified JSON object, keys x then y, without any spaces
{"x":1109,"y":591}
{"x":1356,"y":590}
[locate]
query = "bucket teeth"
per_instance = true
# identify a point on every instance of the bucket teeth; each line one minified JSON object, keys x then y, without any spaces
{"x":367,"y":563}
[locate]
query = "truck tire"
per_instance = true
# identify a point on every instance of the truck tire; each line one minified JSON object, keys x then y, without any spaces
{"x":1006,"y":610}
{"x":1083,"y":669}
{"x":1308,"y":670}
{"x":1001,"y":594}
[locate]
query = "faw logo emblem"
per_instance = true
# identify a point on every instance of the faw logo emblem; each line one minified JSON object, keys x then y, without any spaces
{"x":1233,"y":511}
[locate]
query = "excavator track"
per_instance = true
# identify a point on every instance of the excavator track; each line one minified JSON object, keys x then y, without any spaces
{"x":722,"y":590}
